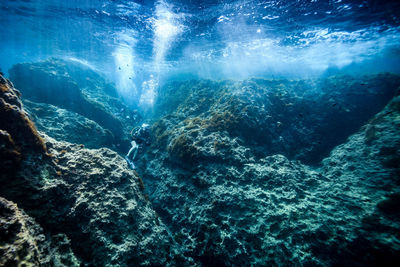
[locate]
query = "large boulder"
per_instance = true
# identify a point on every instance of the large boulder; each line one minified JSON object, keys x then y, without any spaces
{"x":301,"y":119}
{"x":89,"y":196}
{"x":18,"y":135}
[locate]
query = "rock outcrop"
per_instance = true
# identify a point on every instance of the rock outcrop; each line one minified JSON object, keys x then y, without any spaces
{"x":223,"y":184}
{"x":79,"y":89}
{"x":229,"y":203}
{"x":90,"y":197}
{"x":65,"y":125}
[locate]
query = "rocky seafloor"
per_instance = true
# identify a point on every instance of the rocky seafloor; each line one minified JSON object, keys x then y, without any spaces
{"x":252,"y":173}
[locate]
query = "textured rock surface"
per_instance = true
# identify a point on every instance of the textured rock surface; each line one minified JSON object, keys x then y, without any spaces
{"x":302,"y":119}
{"x":229,"y":205}
{"x":23,"y":242}
{"x":89,"y":196}
{"x":65,"y":125}
{"x":76,"y":88}
{"x":222,"y":198}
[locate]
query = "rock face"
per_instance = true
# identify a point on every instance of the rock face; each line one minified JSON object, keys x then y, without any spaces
{"x":65,"y":125}
{"x":228,"y":202}
{"x":90,"y":197}
{"x":78,"y":89}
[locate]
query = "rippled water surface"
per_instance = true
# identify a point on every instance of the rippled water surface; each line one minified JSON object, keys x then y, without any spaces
{"x":137,"y":44}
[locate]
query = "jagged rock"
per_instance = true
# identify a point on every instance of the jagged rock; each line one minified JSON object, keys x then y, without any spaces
{"x":90,"y":196}
{"x":230,"y":207}
{"x":62,"y":124}
{"x":23,"y":242}
{"x":79,"y":89}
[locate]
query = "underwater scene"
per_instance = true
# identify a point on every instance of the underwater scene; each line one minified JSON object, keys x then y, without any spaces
{"x":199,"y":133}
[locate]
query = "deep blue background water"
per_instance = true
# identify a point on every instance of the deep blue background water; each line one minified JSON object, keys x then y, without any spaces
{"x":138,"y":44}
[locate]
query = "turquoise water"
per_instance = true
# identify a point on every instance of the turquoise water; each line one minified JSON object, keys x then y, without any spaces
{"x":199,"y":133}
{"x":140,"y":44}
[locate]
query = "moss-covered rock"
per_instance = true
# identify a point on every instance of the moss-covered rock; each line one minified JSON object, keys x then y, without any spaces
{"x":301,"y":119}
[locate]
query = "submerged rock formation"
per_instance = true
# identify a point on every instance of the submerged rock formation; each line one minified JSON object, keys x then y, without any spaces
{"x":210,"y":175}
{"x":90,"y":197}
{"x":79,"y":89}
{"x":222,"y":186}
{"x":62,"y":124}
{"x":301,"y":119}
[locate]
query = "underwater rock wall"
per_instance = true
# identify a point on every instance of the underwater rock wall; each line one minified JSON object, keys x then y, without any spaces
{"x":89,"y":197}
{"x":230,"y":203}
{"x":79,"y":89}
{"x":62,"y":124}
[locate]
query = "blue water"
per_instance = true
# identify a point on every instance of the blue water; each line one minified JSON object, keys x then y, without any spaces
{"x":140,"y":44}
